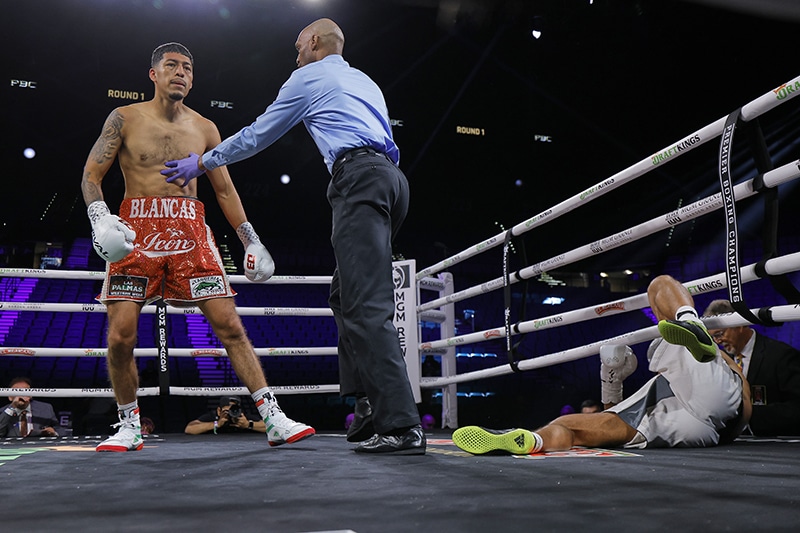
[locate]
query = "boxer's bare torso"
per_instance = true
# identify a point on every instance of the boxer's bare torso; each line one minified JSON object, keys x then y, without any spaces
{"x":143,"y":139}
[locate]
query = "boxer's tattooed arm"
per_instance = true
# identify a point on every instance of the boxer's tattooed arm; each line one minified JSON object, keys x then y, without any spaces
{"x":101,"y":157}
{"x":91,"y":191}
{"x":105,"y":149}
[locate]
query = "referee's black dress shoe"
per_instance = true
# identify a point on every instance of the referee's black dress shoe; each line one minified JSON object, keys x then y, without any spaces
{"x":361,"y":428}
{"x":411,"y":442}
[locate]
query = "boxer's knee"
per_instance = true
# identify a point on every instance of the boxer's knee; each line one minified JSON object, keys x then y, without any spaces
{"x":121,"y":340}
{"x":229,"y":329}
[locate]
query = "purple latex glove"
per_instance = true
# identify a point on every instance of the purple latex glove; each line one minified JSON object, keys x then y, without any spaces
{"x":183,"y":168}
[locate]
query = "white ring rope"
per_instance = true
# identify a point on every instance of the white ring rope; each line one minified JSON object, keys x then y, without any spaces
{"x":173,"y":352}
{"x":425,"y":283}
{"x":775,"y":266}
{"x":701,"y":207}
{"x":173,"y":391}
{"x":152,"y":309}
{"x":100,"y":275}
{"x":781,"y":313}
{"x":430,"y":315}
{"x":757,"y":107}
{"x":153,"y":352}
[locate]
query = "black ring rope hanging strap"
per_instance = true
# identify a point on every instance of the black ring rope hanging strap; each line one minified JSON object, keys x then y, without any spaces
{"x":770,"y":235}
{"x":524,"y":306}
{"x":513,"y":363}
{"x":162,"y":335}
{"x":163,"y":347}
{"x":732,"y":273}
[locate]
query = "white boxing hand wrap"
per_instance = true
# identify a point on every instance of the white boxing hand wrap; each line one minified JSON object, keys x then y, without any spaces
{"x":258,"y":263}
{"x":112,"y":238}
{"x":617,"y":362}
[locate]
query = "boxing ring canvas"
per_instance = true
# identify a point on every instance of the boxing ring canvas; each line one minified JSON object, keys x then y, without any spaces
{"x":237,"y":483}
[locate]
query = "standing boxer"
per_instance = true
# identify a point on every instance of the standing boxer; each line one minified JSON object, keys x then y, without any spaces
{"x":160,"y":246}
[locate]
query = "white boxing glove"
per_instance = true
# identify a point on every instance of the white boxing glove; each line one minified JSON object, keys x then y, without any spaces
{"x":258,"y":263}
{"x":617,"y":362}
{"x":111,"y":236}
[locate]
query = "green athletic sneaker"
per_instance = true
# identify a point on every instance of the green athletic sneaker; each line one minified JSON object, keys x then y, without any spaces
{"x":693,"y":335}
{"x":477,"y":440}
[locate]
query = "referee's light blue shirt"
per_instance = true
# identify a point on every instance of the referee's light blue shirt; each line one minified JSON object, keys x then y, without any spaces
{"x":341,"y":107}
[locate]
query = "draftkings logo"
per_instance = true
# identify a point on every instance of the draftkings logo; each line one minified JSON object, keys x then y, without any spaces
{"x":781,"y":92}
{"x":685,"y":144}
{"x":705,"y":287}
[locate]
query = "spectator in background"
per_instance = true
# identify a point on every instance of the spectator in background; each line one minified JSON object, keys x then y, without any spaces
{"x":591,"y":406}
{"x":773,"y":370}
{"x":428,"y":421}
{"x":25,"y":417}
{"x":229,"y":417}
{"x":148,"y":426}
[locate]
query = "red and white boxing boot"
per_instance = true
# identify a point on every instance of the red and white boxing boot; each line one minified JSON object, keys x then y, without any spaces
{"x":129,"y":436}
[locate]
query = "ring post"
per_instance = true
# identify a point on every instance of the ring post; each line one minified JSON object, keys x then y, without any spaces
{"x":405,"y":319}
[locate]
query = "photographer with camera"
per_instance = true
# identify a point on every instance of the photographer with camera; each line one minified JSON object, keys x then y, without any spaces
{"x":227,"y":418}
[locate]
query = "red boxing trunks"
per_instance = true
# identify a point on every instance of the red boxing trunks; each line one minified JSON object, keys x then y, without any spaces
{"x":174,"y":258}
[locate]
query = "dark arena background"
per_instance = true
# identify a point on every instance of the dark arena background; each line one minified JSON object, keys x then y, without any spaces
{"x":501,"y":110}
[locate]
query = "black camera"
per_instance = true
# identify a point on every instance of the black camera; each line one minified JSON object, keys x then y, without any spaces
{"x":235,"y":410}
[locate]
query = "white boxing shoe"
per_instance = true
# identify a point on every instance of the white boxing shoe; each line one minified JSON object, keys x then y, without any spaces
{"x":127,"y":439}
{"x":283,"y":430}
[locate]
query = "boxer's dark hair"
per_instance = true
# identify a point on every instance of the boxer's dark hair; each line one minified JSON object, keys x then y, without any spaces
{"x":158,"y":53}
{"x":719,"y":307}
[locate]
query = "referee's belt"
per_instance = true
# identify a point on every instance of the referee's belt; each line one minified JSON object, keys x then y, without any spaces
{"x":355,"y":152}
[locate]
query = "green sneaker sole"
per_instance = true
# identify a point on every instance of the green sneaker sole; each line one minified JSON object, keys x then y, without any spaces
{"x":693,"y":336}
{"x":476,"y":440}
